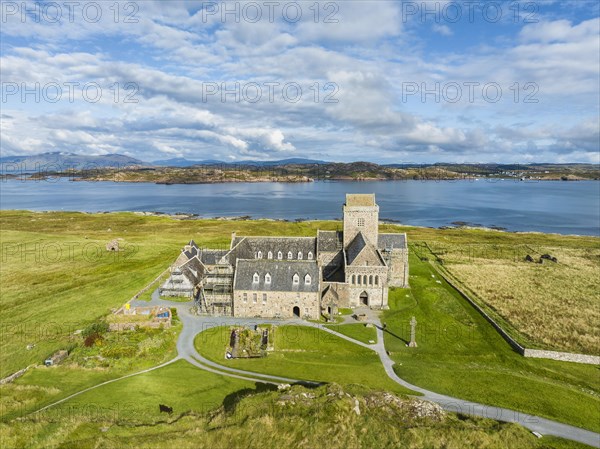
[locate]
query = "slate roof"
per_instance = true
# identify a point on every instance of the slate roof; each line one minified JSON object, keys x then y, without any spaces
{"x":391,"y":241}
{"x":355,"y":247}
{"x":282,"y":273}
{"x":360,"y":200}
{"x":193,"y":270}
{"x":192,"y":252}
{"x":275,"y":244}
{"x":359,"y":246}
{"x":328,"y":241}
{"x":212,"y":256}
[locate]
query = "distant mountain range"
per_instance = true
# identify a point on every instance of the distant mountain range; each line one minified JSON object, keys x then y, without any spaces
{"x":182,"y":162}
{"x":59,"y":161}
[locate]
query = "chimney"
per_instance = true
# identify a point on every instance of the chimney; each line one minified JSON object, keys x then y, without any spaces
{"x":232,"y":239}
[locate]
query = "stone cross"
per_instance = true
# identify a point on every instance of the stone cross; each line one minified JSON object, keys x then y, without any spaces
{"x":413,"y":325}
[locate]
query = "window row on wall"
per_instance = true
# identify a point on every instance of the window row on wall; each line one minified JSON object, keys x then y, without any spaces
{"x":290,"y":255}
{"x":363,"y":279}
{"x":255,"y":298}
{"x":295,"y":279}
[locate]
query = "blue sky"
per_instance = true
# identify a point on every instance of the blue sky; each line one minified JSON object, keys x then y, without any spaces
{"x":411,"y":81}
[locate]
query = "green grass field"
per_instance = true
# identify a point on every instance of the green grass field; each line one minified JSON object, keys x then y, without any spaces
{"x":358,"y":331}
{"x":459,"y":354}
{"x":305,"y":353}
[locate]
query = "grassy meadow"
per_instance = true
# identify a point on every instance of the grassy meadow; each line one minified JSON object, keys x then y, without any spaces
{"x":358,"y":331}
{"x":553,"y":305}
{"x":304,"y":353}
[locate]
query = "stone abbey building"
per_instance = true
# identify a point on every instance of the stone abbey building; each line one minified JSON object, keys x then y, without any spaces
{"x":285,"y":277}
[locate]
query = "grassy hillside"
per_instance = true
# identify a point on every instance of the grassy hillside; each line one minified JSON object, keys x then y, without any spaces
{"x":211,"y":411}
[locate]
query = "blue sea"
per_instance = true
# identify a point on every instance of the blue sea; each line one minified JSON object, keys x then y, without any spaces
{"x":544,"y":206}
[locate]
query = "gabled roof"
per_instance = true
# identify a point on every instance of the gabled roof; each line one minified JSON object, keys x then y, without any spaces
{"x":389,"y":242}
{"x":330,"y":295}
{"x":355,"y":247}
{"x":191,"y":252}
{"x":212,"y":256}
{"x":282,"y":275}
{"x":360,"y":252}
{"x":276,"y":244}
{"x":193,"y":270}
{"x":329,"y":241}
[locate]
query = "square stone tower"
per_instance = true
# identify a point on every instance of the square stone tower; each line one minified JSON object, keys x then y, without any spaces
{"x":361,"y":214}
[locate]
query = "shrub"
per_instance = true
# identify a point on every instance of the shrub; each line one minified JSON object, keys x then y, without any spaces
{"x":99,"y":328}
{"x":92,"y":339}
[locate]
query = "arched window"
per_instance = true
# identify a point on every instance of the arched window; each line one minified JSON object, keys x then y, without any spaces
{"x":267,"y":278}
{"x":376,"y":280}
{"x":371,"y":280}
{"x":364,"y":279}
{"x":296,"y":279}
{"x":299,"y":255}
{"x":270,"y":255}
{"x":353,"y":279}
{"x":310,"y":255}
{"x":290,"y":255}
{"x":307,"y":279}
{"x":359,"y":279}
{"x":255,"y":278}
{"x":259,"y":254}
{"x":280,"y":255}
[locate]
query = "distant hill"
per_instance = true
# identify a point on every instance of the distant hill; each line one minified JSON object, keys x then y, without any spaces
{"x":183,"y":162}
{"x":57,"y":161}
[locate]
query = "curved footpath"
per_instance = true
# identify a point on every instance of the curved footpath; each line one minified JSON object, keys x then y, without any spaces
{"x":193,"y":325}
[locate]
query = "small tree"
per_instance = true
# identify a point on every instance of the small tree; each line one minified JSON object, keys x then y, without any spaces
{"x":98,"y":328}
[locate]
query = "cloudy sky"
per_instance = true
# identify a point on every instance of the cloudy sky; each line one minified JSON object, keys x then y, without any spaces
{"x":433,"y":81}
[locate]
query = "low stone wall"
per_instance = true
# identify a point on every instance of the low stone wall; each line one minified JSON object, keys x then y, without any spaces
{"x":131,"y":326}
{"x":13,"y":376}
{"x":562,"y":356}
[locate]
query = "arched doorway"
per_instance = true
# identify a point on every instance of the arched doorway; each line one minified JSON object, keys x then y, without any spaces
{"x":364,"y":299}
{"x":296,"y":311}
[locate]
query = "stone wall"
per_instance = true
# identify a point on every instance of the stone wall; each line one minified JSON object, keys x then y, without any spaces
{"x":378,"y":294}
{"x":397,"y":260}
{"x":277,"y":304}
{"x":370,"y":228}
{"x":562,"y":356}
{"x":341,"y":288}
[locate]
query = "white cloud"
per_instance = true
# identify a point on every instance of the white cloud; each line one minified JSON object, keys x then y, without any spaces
{"x":444,"y":30}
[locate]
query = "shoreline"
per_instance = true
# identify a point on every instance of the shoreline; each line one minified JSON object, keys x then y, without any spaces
{"x":191,"y":216}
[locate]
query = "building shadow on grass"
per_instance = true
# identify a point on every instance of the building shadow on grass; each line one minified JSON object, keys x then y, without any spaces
{"x":231,"y":400}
